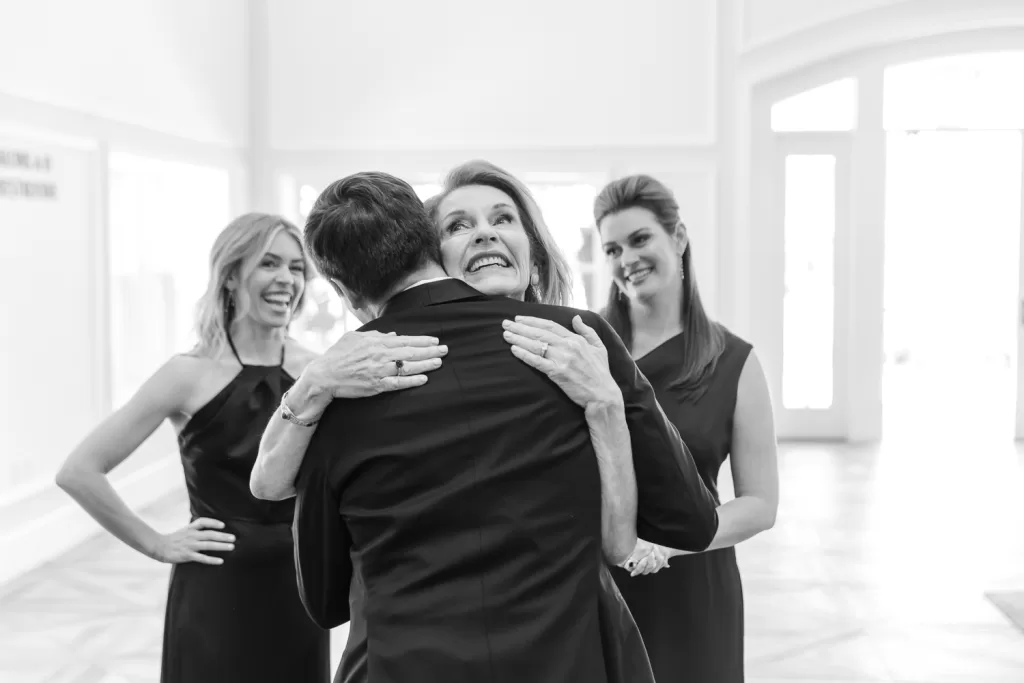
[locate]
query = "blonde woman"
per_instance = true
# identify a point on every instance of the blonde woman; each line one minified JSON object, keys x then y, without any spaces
{"x":233,"y":610}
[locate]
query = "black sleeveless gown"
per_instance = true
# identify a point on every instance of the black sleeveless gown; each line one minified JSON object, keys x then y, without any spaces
{"x":690,"y":614}
{"x":242,"y":620}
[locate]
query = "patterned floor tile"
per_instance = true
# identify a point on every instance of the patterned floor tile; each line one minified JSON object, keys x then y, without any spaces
{"x":875,"y":571}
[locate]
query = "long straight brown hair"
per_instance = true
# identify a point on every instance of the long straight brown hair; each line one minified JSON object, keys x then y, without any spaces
{"x":704,"y":339}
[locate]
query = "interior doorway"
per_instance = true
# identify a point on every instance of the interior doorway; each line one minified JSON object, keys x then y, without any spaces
{"x":952,"y":262}
{"x":952,"y":247}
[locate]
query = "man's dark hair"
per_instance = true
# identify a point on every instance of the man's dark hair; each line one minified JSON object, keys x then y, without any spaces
{"x":368,"y":231}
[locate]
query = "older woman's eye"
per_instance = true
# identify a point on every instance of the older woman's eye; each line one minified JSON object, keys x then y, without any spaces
{"x":454,"y":226}
{"x":504,"y":218}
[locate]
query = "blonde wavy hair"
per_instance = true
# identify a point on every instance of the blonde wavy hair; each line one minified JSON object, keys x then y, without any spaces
{"x":555,"y":286}
{"x":235,"y":255}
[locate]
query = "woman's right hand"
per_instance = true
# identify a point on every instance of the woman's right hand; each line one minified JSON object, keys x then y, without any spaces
{"x":368,"y":363}
{"x":188,"y":544}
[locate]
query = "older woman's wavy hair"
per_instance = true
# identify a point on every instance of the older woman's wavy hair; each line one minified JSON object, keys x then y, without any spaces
{"x":555,"y":286}
{"x":236,"y":253}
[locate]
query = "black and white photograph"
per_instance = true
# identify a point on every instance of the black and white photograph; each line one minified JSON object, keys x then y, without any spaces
{"x":561,"y":341}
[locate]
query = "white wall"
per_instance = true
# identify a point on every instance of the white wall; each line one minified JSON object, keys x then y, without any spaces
{"x":767,"y":21}
{"x":793,"y":46}
{"x":574,"y":90}
{"x":465,"y":74}
{"x":173,"y":66}
{"x":165,"y":80}
{"x":48,"y":344}
{"x":570,"y":88}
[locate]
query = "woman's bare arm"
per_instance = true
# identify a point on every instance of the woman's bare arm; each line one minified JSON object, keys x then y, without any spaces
{"x":755,"y":472}
{"x":84,"y":473}
{"x":610,"y":438}
{"x":359,"y":364}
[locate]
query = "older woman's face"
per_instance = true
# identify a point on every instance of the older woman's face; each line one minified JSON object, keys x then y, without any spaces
{"x":483,"y":241}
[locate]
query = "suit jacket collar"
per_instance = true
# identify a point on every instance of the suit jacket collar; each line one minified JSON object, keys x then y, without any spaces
{"x":431,"y":294}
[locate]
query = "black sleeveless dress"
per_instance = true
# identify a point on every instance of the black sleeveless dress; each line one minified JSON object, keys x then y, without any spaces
{"x":241,"y":620}
{"x":690,"y":614}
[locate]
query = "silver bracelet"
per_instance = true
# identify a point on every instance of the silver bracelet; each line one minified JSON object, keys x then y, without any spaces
{"x":287,"y":414}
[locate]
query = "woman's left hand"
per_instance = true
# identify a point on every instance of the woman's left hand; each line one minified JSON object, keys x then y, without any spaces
{"x":577,"y":363}
{"x":647,"y":558}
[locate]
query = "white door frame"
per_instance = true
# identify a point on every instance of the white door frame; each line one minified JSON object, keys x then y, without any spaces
{"x":863,"y":224}
{"x":768,"y":276}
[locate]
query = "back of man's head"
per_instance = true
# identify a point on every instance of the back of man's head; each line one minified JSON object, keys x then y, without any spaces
{"x":368,"y":231}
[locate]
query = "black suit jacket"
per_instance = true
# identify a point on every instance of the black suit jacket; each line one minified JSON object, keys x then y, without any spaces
{"x":472,"y":507}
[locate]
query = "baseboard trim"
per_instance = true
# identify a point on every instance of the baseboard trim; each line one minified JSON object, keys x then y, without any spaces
{"x":46,"y":537}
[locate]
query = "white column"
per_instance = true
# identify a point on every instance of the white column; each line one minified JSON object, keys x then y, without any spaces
{"x":867,"y":251}
{"x":1019,"y":423}
{"x":103,"y":377}
{"x":261,"y":185}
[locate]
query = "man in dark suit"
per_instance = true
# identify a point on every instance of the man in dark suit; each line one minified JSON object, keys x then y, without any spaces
{"x":471,"y":505}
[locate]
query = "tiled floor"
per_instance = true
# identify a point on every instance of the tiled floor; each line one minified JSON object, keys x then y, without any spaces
{"x":875,"y":571}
